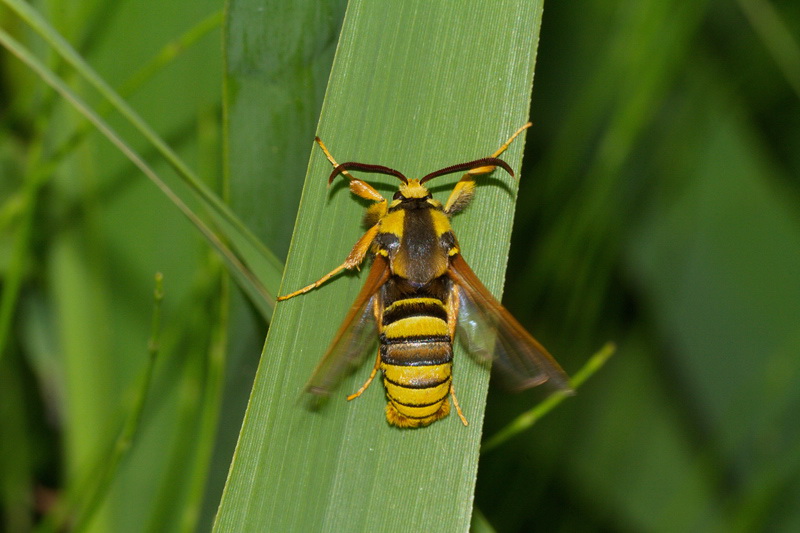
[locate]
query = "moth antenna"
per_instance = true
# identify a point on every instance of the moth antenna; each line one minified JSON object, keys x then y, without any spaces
{"x":485,"y":162}
{"x":378,"y":169}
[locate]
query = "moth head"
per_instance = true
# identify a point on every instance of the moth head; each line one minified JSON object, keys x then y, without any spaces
{"x":412,"y":188}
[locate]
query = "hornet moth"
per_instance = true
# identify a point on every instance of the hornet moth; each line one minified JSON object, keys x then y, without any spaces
{"x":419,"y":290}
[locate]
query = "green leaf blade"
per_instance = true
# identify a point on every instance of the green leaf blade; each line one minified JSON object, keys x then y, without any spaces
{"x":414,"y":87}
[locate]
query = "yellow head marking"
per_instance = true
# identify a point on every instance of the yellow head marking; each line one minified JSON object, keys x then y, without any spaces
{"x":413,"y":189}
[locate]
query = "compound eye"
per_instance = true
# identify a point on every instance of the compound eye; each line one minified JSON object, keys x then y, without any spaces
{"x":397,"y":195}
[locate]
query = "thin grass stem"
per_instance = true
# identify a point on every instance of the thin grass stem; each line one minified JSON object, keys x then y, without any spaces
{"x":530,"y":417}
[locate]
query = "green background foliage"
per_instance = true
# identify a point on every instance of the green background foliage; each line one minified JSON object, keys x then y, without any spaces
{"x":657,"y":207}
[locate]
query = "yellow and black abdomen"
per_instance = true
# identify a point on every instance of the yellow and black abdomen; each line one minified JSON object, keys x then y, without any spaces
{"x":416,"y":355}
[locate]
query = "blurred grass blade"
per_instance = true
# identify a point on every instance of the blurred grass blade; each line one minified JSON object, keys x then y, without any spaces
{"x":12,"y":280}
{"x":275,"y":80}
{"x":414,"y":86}
{"x":777,"y":38}
{"x":252,"y":252}
{"x":20,"y":208}
{"x":164,"y":57}
{"x":80,"y":506}
{"x":480,"y":524}
{"x":249,"y":282}
{"x":529,"y":418}
{"x":207,"y":425}
{"x":170,"y":51}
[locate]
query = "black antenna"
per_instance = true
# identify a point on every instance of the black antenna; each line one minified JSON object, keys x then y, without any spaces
{"x":485,"y":162}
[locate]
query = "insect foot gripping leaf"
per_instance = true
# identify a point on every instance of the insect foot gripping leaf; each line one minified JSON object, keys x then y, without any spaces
{"x":418,"y":289}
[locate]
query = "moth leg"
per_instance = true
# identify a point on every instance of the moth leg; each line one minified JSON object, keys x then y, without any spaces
{"x":353,"y":260}
{"x":462,"y":193}
{"x":452,"y":318}
{"x":366,"y":384}
{"x":452,"y":311}
{"x":458,"y":407}
{"x":503,"y":148}
{"x":331,"y":159}
{"x":357,"y":186}
{"x":508,"y":142}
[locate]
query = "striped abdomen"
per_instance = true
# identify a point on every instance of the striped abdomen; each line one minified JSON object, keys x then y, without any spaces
{"x":416,"y":359}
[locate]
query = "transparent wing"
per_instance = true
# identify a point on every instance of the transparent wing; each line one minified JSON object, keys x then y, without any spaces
{"x":489,"y":331}
{"x":355,"y":337}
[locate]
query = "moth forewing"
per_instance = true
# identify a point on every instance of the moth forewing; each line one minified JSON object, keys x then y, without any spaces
{"x":493,"y":333}
{"x":355,"y":336}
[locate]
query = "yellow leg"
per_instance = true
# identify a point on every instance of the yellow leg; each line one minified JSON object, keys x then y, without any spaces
{"x":462,"y":193}
{"x":314,"y":285}
{"x":452,"y":312}
{"x":357,"y":186}
{"x":366,"y":384}
{"x":485,"y":170}
{"x":452,"y":317}
{"x":511,"y":139}
{"x":353,"y":261}
{"x":331,"y":159}
{"x":458,"y":407}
